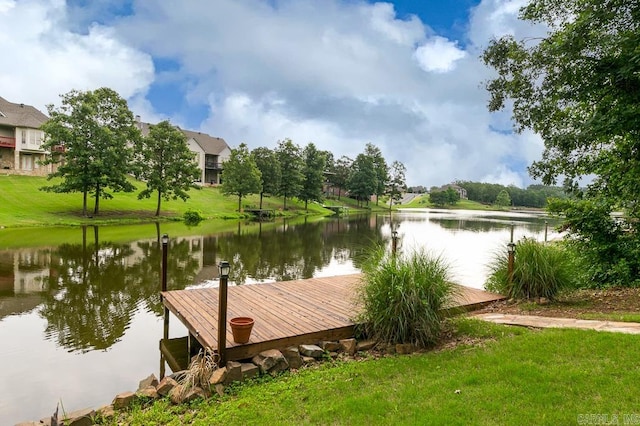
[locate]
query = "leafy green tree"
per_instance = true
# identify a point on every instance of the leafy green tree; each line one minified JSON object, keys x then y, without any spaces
{"x":341,"y":172}
{"x":90,"y":137}
{"x":578,"y":88}
{"x":397,"y":182}
{"x":363,"y":179}
{"x":313,"y":167}
{"x":267,"y":162}
{"x":241,"y":175}
{"x":291,"y":169}
{"x":380,"y":167}
{"x":166,"y":164}
{"x":442,"y":198}
{"x":503,"y":199}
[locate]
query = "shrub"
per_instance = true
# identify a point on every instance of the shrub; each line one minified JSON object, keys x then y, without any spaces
{"x":539,"y":270}
{"x":192,"y":217}
{"x":404,"y":297}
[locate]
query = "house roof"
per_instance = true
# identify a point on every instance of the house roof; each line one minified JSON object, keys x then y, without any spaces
{"x":20,"y":115}
{"x":209,"y":144}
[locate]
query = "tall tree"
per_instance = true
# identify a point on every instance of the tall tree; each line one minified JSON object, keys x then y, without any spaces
{"x":380,"y":167}
{"x":267,"y":162}
{"x":165,"y":163}
{"x":313,"y":166}
{"x":363,"y":179}
{"x":503,"y":199}
{"x":341,"y":172}
{"x":579,"y":89}
{"x":329,"y":170}
{"x":397,"y":182}
{"x":90,"y":137}
{"x":291,"y":168}
{"x":241,"y":175}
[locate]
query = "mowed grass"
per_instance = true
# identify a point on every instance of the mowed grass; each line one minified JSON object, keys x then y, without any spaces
{"x":513,"y":376}
{"x":423,"y":202}
{"x":23,"y":204}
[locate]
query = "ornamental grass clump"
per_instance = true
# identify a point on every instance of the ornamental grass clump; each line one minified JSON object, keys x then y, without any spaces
{"x":404,"y":297}
{"x":540,"y":270}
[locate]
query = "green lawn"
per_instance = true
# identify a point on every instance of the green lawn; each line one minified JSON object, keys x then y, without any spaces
{"x":510,"y":376}
{"x":24,"y":205}
{"x":422,"y":202}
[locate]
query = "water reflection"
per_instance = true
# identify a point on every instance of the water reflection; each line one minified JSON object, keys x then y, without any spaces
{"x":290,"y":252}
{"x":90,"y":308}
{"x":94,"y":288}
{"x":89,"y":291}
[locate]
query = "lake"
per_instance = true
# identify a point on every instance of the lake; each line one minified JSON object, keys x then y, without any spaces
{"x":81,"y":317}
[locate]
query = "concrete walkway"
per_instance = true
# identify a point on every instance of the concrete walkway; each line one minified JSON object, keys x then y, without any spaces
{"x":549,"y":322}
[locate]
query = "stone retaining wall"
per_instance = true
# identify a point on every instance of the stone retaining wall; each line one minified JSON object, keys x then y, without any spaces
{"x":180,"y":391}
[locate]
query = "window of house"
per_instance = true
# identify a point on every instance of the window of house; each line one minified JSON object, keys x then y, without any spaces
{"x":24,"y":136}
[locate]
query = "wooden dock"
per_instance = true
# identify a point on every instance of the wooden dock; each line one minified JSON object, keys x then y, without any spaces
{"x":285,"y":313}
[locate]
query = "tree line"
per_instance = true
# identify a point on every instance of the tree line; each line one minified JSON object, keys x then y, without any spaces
{"x":96,"y":145}
{"x":492,"y":193}
{"x":304,"y":172}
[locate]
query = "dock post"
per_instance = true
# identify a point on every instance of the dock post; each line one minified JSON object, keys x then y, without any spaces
{"x":223,"y":268}
{"x":511,"y":249}
{"x":546,"y":230}
{"x":165,"y":331}
{"x":165,"y":243}
{"x":394,"y":242}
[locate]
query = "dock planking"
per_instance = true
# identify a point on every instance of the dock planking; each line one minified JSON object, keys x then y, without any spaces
{"x":286,"y":313}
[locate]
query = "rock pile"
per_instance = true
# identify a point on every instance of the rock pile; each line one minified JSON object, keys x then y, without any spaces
{"x":180,"y":390}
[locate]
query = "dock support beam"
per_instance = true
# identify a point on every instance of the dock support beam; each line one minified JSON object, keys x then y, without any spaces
{"x":223,"y":268}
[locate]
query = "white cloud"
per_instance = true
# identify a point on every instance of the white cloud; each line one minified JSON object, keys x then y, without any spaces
{"x":504,"y":176}
{"x":405,"y":32}
{"x":339,"y":73}
{"x":44,"y":59}
{"x":438,"y":54}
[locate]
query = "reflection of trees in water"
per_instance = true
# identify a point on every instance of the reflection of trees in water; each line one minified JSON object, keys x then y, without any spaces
{"x":95,"y":288}
{"x":295,"y":251}
{"x":534,"y":225}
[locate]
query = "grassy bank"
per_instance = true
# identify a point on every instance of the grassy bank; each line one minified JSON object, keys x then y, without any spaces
{"x":423,"y":202}
{"x":24,"y":205}
{"x":497,"y":375}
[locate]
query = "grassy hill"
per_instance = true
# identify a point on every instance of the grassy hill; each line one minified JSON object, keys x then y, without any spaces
{"x":23,"y":204}
{"x":423,"y":202}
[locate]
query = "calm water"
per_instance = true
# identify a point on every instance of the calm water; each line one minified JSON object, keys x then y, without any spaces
{"x":80,"y":322}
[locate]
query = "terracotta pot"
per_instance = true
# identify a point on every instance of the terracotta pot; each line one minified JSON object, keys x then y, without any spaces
{"x":241,"y":328}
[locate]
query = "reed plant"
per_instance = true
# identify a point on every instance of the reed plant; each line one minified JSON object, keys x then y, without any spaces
{"x":404,"y":298}
{"x":200,"y":370}
{"x":539,"y":270}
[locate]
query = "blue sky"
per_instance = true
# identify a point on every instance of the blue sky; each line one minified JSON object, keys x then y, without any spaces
{"x":403,"y":75}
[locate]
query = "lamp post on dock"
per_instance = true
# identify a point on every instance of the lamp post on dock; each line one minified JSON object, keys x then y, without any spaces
{"x":511,"y":249}
{"x":394,"y":242}
{"x":223,"y":269}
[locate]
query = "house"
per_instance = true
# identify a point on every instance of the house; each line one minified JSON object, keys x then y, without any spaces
{"x":21,"y":140}
{"x":460,"y":190}
{"x":210,"y":152}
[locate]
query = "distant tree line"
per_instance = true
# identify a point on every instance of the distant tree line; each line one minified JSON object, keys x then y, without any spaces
{"x":304,"y":173}
{"x":490,"y":193}
{"x":97,"y":145}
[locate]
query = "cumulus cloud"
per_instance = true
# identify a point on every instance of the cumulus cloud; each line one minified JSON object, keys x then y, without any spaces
{"x":338,"y":73}
{"x":438,"y":54}
{"x":46,"y":59}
